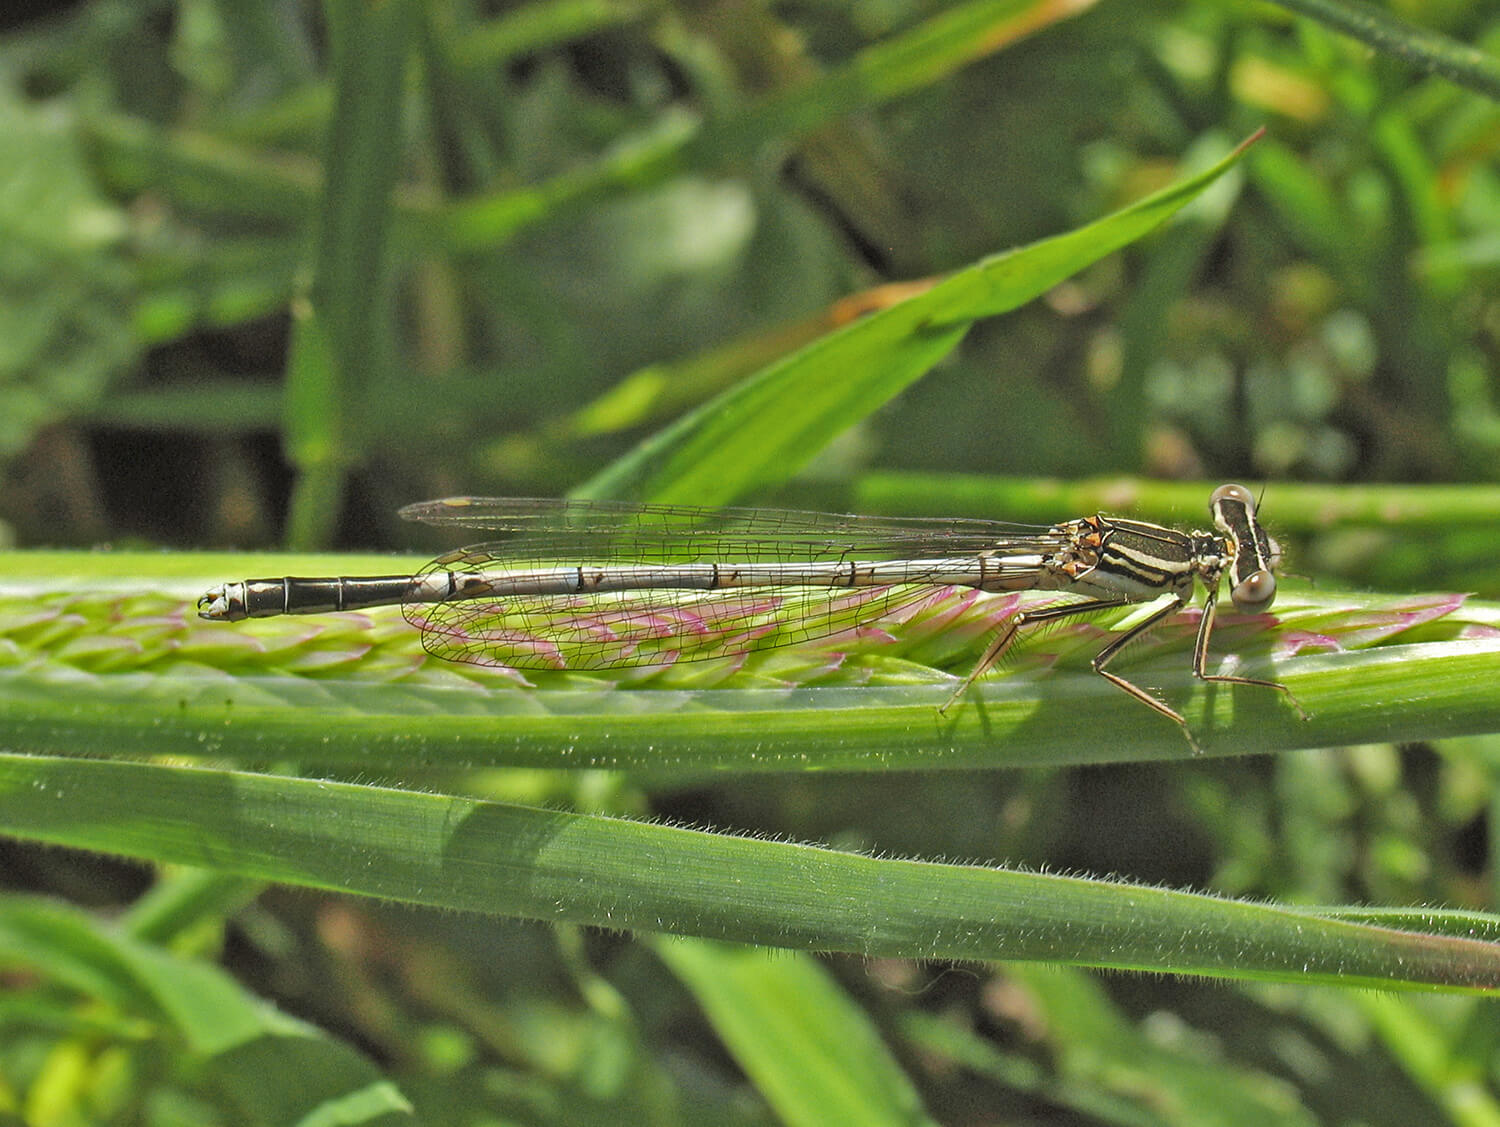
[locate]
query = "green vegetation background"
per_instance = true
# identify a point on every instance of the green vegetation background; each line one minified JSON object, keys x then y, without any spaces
{"x":269,"y":271}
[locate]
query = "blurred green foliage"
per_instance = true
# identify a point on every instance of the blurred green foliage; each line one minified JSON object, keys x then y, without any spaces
{"x":270,"y":269}
{"x":584,"y":192}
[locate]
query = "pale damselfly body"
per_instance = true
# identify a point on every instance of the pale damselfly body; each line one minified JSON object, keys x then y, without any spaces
{"x":594,"y":585}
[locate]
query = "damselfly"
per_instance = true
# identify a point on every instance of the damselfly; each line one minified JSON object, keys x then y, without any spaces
{"x":604,"y":585}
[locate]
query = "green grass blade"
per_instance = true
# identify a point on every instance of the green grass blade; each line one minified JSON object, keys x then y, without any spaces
{"x":1424,"y":1049}
{"x":922,"y":56}
{"x":334,"y":345}
{"x":1421,"y":47}
{"x":766,"y":428}
{"x":813,"y":1054}
{"x":1393,"y":537}
{"x":1105,"y":1066}
{"x":470,"y":855}
{"x":270,"y":1068}
{"x":136,"y":672}
{"x":488,"y":44}
{"x":202,"y":170}
{"x":1289,"y":506}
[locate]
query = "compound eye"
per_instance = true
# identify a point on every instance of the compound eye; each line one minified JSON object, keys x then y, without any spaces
{"x":1233,"y":492}
{"x":1255,"y":593}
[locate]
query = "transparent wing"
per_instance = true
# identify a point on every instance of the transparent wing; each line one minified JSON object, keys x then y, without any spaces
{"x":620,"y":630}
{"x":608,"y":630}
{"x":618,"y":531}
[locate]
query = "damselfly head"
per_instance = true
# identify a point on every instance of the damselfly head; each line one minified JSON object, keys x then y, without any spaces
{"x":1256,"y":554}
